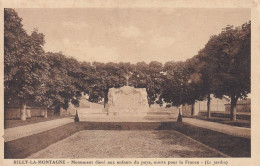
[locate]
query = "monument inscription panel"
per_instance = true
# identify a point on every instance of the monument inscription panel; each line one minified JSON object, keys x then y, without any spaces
{"x":127,"y":101}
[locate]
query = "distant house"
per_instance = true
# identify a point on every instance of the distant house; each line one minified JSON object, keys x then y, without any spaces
{"x":216,"y":104}
{"x":242,"y":106}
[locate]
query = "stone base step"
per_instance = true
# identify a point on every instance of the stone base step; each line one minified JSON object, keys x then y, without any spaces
{"x":127,"y":115}
{"x":90,"y":110}
{"x":94,"y":113}
{"x":162,"y":113}
{"x":159,"y":116}
{"x":65,"y":114}
{"x":100,"y":115}
{"x":141,"y":114}
{"x":126,"y":119}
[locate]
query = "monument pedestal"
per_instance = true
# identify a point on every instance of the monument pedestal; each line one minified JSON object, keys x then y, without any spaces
{"x":126,"y":112}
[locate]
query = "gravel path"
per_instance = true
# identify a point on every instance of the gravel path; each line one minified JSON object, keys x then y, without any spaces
{"x":223,"y":128}
{"x":127,"y":144}
{"x":26,"y":130}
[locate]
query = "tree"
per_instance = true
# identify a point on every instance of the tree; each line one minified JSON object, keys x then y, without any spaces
{"x":87,"y":72}
{"x":23,"y":64}
{"x":207,"y":67}
{"x":149,"y":76}
{"x":140,"y":74}
{"x":181,"y":83}
{"x":234,"y":77}
{"x":194,"y":86}
{"x":154,"y":82}
{"x":106,"y":76}
{"x":99,"y":84}
{"x":230,"y":54}
{"x":75,"y":73}
{"x":96,"y":82}
{"x":62,"y":85}
{"x":175,"y":83}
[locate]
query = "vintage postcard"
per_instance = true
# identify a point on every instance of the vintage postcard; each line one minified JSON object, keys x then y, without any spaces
{"x":130,"y":82}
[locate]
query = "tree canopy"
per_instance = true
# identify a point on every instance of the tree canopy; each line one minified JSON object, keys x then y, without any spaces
{"x":24,"y":61}
{"x":230,"y":53}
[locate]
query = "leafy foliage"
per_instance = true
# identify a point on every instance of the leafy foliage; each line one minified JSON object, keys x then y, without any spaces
{"x":230,"y":51}
{"x":23,"y":60}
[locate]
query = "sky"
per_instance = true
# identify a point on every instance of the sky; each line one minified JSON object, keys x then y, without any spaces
{"x":129,"y":34}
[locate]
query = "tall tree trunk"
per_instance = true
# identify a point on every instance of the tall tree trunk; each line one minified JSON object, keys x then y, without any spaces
{"x":106,"y":97}
{"x":23,"y":110}
{"x":179,"y":119}
{"x":61,"y":111}
{"x":45,"y":112}
{"x":181,"y":110}
{"x":208,"y":107}
{"x":233,"y":110}
{"x":192,"y":109}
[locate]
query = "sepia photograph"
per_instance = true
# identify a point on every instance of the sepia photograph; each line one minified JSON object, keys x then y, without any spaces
{"x":87,"y":83}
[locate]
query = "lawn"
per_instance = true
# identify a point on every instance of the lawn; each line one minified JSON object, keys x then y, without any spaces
{"x":9,"y":123}
{"x":230,"y":145}
{"x":26,"y":146}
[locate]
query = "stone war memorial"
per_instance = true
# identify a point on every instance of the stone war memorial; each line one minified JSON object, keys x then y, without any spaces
{"x":126,"y":104}
{"x":123,"y":102}
{"x":127,"y":101}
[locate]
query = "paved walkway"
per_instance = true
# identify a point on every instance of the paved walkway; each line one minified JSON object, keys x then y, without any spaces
{"x":26,"y":130}
{"x":223,"y":128}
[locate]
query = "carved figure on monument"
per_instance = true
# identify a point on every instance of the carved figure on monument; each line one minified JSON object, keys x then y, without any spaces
{"x":127,"y":76}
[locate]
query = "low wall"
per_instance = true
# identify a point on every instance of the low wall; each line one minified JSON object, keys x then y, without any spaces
{"x":239,"y":107}
{"x":14,"y":112}
{"x":186,"y":109}
{"x":227,"y":115}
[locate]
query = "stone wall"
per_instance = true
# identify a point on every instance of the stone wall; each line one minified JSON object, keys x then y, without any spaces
{"x":239,"y":107}
{"x":216,"y":104}
{"x":186,"y":109}
{"x":14,"y":112}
